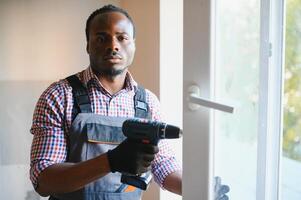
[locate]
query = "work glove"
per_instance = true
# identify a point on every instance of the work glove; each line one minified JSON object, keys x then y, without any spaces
{"x":220,"y":190}
{"x":132,"y":157}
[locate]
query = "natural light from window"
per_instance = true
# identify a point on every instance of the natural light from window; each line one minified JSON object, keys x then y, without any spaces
{"x":236,"y":82}
{"x":291,"y":160}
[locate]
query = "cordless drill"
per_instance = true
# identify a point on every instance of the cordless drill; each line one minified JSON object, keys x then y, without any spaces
{"x":149,"y":132}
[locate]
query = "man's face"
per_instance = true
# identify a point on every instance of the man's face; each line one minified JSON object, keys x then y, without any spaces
{"x":111,"y":46}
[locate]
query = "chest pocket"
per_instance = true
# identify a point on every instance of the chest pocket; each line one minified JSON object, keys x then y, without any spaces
{"x":103,"y":137}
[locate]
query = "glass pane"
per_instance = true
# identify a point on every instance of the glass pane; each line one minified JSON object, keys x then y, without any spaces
{"x":236,"y":82}
{"x":291,"y":160}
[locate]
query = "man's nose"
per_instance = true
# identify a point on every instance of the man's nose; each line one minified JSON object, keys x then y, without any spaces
{"x":113,"y":45}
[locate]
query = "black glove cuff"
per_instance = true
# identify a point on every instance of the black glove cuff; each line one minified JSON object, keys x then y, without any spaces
{"x":111,"y":162}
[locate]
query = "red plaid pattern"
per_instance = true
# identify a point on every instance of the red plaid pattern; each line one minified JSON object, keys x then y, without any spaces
{"x":52,"y":120}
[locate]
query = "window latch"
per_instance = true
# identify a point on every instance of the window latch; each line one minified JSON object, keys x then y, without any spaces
{"x":195,"y":101}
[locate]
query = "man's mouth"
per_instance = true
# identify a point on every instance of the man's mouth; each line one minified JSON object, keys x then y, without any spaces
{"x":115,"y":57}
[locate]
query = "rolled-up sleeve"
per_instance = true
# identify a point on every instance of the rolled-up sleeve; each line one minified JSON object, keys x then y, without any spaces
{"x":49,"y":144}
{"x":165,"y":161}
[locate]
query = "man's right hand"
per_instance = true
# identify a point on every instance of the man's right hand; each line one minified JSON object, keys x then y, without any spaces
{"x":132,"y":157}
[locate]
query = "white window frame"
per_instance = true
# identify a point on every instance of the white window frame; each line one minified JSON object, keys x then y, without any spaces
{"x":270,"y":121}
{"x":197,"y":140}
{"x":197,"y":125}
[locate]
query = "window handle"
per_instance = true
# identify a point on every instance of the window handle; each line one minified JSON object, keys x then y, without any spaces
{"x":195,"y":101}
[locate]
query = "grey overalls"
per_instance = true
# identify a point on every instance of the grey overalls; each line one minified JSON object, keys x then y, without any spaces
{"x":92,"y":135}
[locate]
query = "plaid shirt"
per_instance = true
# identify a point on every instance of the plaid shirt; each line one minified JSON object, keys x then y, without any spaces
{"x":52,"y":120}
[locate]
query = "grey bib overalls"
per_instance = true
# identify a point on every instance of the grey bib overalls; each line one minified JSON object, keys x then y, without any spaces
{"x":92,"y":135}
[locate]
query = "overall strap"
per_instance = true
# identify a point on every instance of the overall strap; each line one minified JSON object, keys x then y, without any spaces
{"x":141,"y":107}
{"x":82,"y":102}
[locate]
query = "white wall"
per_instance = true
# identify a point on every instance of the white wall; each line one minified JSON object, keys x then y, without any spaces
{"x":171,"y":71}
{"x":40,"y":41}
{"x":43,"y":40}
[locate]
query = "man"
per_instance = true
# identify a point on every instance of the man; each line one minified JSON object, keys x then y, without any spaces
{"x":77,"y":152}
{"x":69,"y":158}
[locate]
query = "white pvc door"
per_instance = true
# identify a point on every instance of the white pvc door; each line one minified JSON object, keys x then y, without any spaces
{"x":233,"y":53}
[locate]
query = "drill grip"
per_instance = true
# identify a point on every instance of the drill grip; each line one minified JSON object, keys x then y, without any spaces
{"x":141,"y":182}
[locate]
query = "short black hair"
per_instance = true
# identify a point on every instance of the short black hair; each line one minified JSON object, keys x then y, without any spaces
{"x":105,"y":9}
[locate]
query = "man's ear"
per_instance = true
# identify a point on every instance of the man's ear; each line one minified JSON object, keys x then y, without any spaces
{"x":87,"y":47}
{"x":134,"y":42}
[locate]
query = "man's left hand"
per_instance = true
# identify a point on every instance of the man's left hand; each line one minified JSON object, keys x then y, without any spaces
{"x":220,"y":190}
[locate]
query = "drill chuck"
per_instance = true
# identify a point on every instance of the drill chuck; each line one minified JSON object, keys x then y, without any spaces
{"x":172,"y":132}
{"x":142,"y":129}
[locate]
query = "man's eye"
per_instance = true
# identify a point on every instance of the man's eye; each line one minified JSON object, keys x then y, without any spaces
{"x":101,"y":38}
{"x":122,"y":38}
